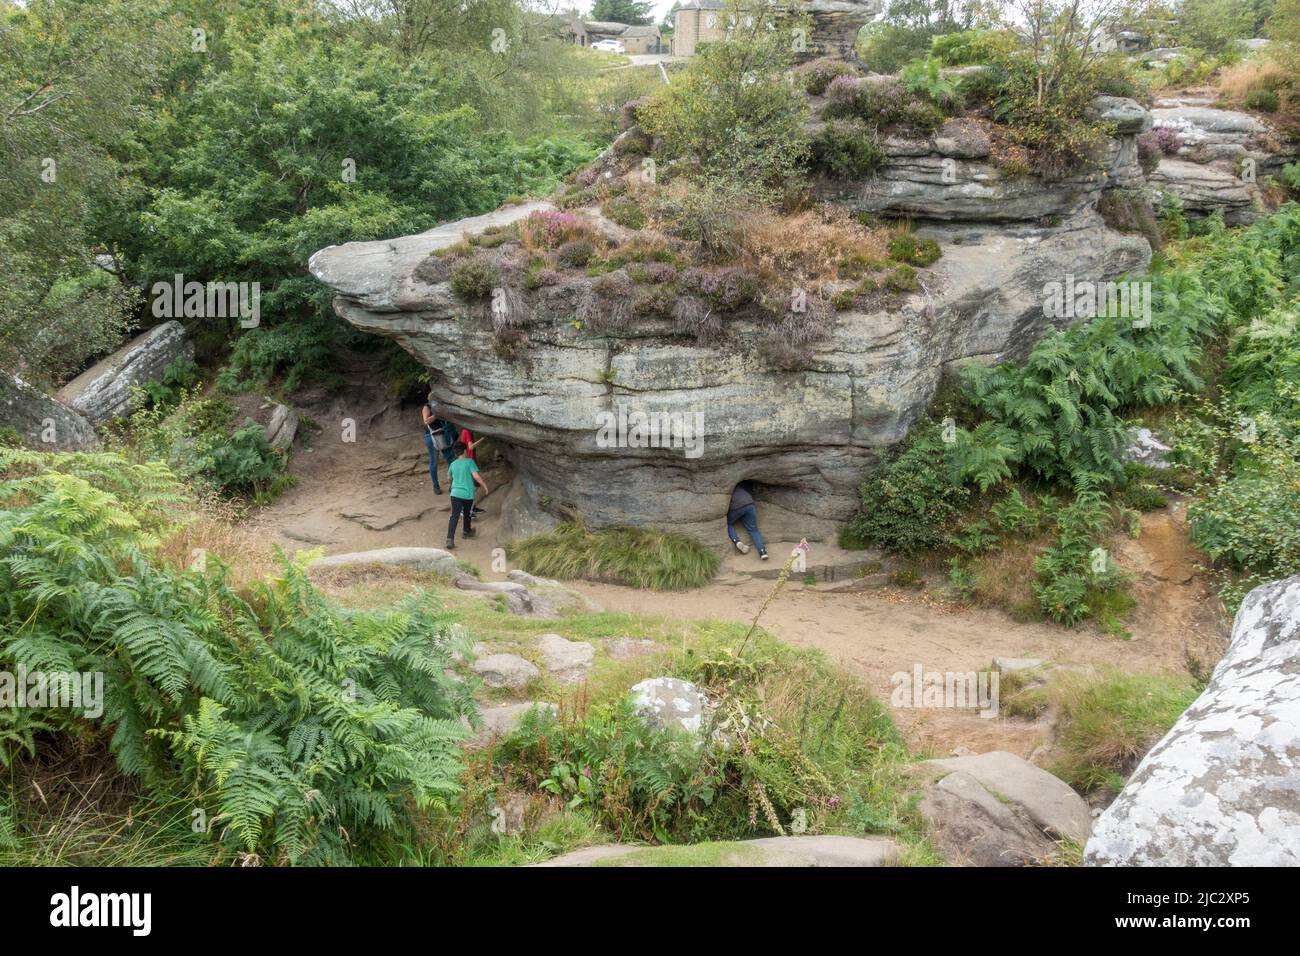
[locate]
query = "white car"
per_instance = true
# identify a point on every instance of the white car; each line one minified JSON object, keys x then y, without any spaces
{"x":608,"y":46}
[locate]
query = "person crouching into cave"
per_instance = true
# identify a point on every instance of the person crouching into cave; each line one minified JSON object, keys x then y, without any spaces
{"x":744,"y":510}
{"x":439,"y":436}
{"x":464,"y":475}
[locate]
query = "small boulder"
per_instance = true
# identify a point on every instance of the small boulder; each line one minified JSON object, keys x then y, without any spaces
{"x":422,"y":559}
{"x":1009,"y":665}
{"x":282,"y":427}
{"x":1145,"y":449}
{"x":505,"y":670}
{"x":671,"y":703}
{"x":567,"y":661}
{"x":501,"y":720}
{"x":628,"y":648}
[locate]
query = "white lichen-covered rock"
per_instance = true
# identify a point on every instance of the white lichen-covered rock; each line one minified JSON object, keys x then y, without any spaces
{"x":1145,"y":449}
{"x":282,"y":427}
{"x":41,"y":421}
{"x":103,"y":391}
{"x":671,"y":703}
{"x":1223,"y":786}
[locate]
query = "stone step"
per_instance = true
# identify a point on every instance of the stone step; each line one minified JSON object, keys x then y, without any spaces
{"x":827,"y":563}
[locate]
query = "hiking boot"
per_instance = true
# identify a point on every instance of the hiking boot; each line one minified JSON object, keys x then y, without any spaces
{"x":437,"y":490}
{"x":741,"y":547}
{"x":451,"y":545}
{"x":470,"y":534}
{"x":763,"y":555}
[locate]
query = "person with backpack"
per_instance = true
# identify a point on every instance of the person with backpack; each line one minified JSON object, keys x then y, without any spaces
{"x":742,"y":509}
{"x":464,"y":475}
{"x":439,"y":436}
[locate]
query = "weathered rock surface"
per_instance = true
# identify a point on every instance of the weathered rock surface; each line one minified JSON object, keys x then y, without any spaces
{"x":804,"y":436}
{"x":500,"y":720}
{"x":41,"y":421}
{"x":1145,"y":449}
{"x":671,"y":703}
{"x":282,"y":426}
{"x":505,"y":670}
{"x":767,"y":851}
{"x":567,"y":661}
{"x":1224,"y":157}
{"x":103,"y":391}
{"x":997,"y":809}
{"x":1223,"y":786}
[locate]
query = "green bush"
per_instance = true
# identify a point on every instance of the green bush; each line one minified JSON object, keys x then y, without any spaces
{"x":301,"y":731}
{"x":625,"y":211}
{"x":732,"y":113}
{"x":846,"y":150}
{"x":908,"y":249}
{"x":474,"y":278}
{"x":1266,"y":101}
{"x":912,"y":503}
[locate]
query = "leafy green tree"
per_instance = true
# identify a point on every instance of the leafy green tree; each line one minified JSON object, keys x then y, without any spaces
{"x":632,"y":12}
{"x":732,"y":113}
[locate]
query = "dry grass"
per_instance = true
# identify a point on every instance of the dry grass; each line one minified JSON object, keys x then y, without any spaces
{"x":812,"y":244}
{"x":1249,"y":75}
{"x":213,"y":528}
{"x":1004,"y":579}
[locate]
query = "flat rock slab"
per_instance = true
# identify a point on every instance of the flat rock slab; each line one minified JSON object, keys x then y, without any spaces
{"x":1009,"y":665}
{"x":422,"y":559}
{"x":505,"y":670}
{"x":801,"y":851}
{"x":502,"y":719}
{"x":971,"y":826}
{"x":1046,"y":800}
{"x":566,"y":661}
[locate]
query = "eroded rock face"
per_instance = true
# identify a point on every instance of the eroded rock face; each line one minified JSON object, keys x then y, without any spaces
{"x":1224,"y":157}
{"x":103,"y":391}
{"x":1223,"y":786}
{"x":41,"y":421}
{"x":805,"y":436}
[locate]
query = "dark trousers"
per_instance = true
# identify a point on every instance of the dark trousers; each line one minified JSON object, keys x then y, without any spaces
{"x":459,"y":506}
{"x":747,"y":516}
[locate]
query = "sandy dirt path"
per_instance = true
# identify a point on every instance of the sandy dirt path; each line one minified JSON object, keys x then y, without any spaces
{"x":375,"y":492}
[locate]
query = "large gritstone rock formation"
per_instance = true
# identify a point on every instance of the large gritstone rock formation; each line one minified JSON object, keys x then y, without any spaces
{"x":804,"y":434}
{"x":1223,"y":787}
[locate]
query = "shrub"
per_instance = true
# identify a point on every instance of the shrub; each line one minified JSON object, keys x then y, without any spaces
{"x":1168,"y":139}
{"x":908,"y":249}
{"x":575,"y":253}
{"x":732,"y":113}
{"x":730,"y":289}
{"x":625,"y":211}
{"x":550,"y":229}
{"x":972,"y":47}
{"x":912,"y":503}
{"x":1266,"y":101}
{"x":846,"y":149}
{"x":636,"y":557}
{"x":302,"y":730}
{"x":1149,"y":152}
{"x":888,"y":106}
{"x":818,"y":74}
{"x":902,"y":279}
{"x":474,"y":278}
{"x":924,"y":78}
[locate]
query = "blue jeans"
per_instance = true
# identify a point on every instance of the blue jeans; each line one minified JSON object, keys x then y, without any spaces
{"x":747,"y":516}
{"x":433,"y":459}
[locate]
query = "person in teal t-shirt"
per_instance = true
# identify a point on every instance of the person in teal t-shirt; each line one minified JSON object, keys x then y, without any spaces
{"x":464,"y":475}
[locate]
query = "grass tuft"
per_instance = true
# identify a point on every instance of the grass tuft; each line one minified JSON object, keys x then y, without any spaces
{"x":637,"y":557}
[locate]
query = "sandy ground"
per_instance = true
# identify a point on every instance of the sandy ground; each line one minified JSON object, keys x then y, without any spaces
{"x":375,"y":492}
